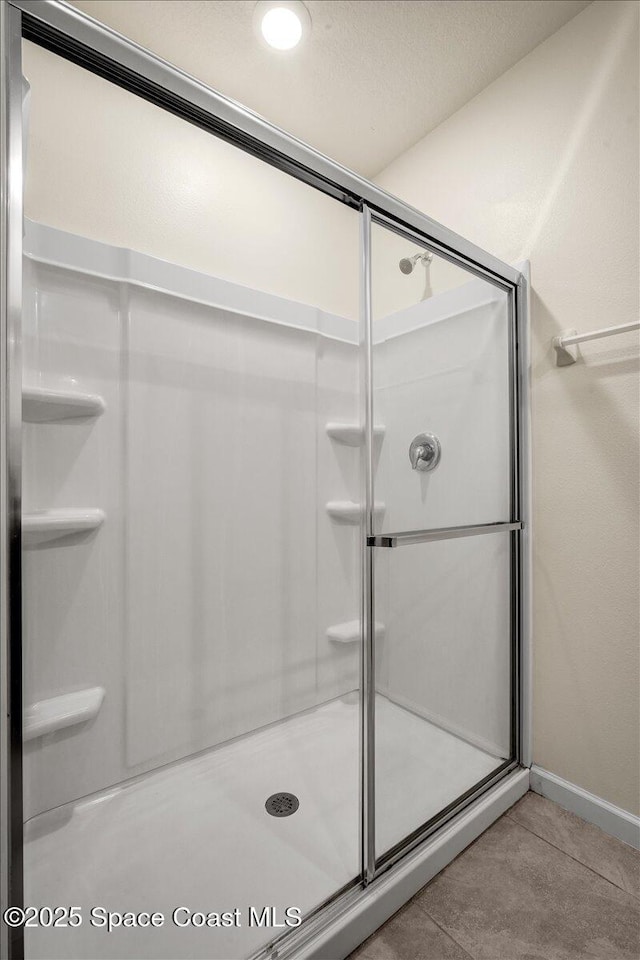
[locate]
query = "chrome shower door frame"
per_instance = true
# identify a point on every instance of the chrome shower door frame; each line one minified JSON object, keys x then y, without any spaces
{"x":518,"y":528}
{"x":10,"y":477}
{"x":73,"y":35}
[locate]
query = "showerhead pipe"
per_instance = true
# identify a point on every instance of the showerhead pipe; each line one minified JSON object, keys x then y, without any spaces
{"x":408,"y":263}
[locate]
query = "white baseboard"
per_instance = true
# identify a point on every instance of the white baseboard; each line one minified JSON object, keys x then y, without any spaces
{"x":383,"y":897}
{"x":613,"y":820}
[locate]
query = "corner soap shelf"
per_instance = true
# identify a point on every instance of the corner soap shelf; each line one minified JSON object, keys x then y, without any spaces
{"x":46,"y":716}
{"x":41,"y":405}
{"x":346,"y":511}
{"x":351,"y":434}
{"x":351,"y":631}
{"x":44,"y":525}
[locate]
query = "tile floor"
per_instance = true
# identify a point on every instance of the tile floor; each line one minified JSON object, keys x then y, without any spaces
{"x":540,"y":883}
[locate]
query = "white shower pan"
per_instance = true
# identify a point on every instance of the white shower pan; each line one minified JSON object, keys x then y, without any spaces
{"x":196,"y":834}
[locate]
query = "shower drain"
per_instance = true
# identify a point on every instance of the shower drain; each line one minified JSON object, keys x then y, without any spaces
{"x":282,"y":804}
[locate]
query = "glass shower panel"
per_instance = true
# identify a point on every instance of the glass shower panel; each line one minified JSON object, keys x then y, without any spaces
{"x":192,"y":529}
{"x":441,"y":409}
{"x":440,"y":368}
{"x":443,"y":676}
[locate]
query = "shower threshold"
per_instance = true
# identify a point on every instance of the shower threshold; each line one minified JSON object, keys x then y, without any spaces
{"x":196,"y":834}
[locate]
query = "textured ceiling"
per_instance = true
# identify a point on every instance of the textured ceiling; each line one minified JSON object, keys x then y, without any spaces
{"x":373,"y":77}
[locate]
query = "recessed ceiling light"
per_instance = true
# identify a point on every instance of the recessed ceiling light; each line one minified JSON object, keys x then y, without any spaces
{"x":282,"y":23}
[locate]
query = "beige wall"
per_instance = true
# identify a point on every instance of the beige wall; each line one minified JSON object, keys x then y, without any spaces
{"x":543,"y":164}
{"x":107,"y":165}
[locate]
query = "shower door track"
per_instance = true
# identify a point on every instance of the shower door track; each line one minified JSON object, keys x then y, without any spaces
{"x":77,"y":37}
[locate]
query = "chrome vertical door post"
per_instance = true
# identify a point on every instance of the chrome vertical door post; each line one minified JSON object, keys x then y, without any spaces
{"x":11,"y":942}
{"x":523,"y":416}
{"x":368,"y":685}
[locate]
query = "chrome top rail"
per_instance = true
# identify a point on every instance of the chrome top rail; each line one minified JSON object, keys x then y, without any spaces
{"x":68,"y":32}
{"x":441,"y":533}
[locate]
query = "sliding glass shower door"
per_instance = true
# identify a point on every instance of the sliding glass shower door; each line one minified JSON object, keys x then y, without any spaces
{"x":443,"y":533}
{"x":191,"y":531}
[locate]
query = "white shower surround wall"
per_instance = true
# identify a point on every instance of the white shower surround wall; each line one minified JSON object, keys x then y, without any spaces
{"x":441,"y":366}
{"x":200,"y":609}
{"x":203,"y":610}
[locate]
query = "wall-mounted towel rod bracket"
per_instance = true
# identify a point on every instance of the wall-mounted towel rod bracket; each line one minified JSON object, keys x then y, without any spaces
{"x":565,"y":344}
{"x":566,"y":354}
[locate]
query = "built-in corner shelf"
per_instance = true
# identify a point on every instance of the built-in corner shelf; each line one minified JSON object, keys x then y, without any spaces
{"x":351,"y":632}
{"x":45,"y":716}
{"x":41,"y":406}
{"x":351,"y":434}
{"x":346,"y":511}
{"x":44,"y":525}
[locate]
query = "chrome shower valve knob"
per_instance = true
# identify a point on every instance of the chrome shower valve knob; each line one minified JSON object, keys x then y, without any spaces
{"x":424,"y":452}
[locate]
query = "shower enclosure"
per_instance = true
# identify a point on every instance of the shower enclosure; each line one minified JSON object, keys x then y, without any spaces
{"x":264,"y":538}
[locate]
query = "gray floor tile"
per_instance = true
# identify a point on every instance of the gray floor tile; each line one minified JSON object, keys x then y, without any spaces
{"x":609,"y":857}
{"x":512,"y":895}
{"x":410,"y":935}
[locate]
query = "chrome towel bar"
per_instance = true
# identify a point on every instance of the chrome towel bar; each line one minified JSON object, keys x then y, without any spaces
{"x":440,"y":533}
